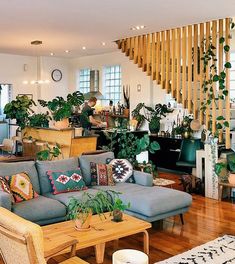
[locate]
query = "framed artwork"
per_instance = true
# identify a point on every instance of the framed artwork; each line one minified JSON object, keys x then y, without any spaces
{"x":30,"y":96}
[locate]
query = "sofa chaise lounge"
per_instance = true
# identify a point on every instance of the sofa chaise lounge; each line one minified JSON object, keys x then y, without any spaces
{"x":148,"y":202}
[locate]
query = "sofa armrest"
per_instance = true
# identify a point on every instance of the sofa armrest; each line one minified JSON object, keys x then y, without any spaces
{"x":143,"y":178}
{"x":5,"y":200}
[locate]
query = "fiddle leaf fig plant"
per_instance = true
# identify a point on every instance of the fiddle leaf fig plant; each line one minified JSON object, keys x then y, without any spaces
{"x":20,"y":109}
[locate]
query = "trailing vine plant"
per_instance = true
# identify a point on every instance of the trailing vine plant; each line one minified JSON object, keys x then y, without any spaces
{"x":216,"y":78}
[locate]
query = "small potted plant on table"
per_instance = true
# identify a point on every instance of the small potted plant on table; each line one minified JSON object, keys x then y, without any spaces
{"x":118,"y":208}
{"x":82,"y":209}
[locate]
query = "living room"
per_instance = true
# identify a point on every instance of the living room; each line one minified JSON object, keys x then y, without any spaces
{"x":172,"y":175}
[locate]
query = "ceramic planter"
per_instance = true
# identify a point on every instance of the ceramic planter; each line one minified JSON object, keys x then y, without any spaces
{"x":231,"y":178}
{"x":82,"y":222}
{"x":117,"y":215}
{"x":62,"y":124}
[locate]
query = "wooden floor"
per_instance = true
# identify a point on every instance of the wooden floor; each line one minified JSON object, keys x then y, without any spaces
{"x":206,"y":220}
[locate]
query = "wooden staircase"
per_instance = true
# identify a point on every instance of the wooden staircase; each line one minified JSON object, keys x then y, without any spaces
{"x":172,"y":58}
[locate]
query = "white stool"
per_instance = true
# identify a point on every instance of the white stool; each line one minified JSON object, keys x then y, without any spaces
{"x":130,"y":256}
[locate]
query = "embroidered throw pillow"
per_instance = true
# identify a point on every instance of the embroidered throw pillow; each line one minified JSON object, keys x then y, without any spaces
{"x":122,"y":170}
{"x":21,"y":187}
{"x":5,"y":187}
{"x":101,"y":174}
{"x":66,"y":181}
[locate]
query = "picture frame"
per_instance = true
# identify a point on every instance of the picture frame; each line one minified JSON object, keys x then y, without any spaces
{"x":30,"y":96}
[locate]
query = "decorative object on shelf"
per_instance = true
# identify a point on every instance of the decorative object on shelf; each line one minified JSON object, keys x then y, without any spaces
{"x":150,"y":114}
{"x":20,"y":109}
{"x":56,"y":75}
{"x":184,"y":129}
{"x":118,"y":208}
{"x":126,"y":95}
{"x":62,"y":109}
{"x":82,"y":209}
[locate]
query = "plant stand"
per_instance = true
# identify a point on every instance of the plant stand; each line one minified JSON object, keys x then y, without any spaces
{"x":211,"y":179}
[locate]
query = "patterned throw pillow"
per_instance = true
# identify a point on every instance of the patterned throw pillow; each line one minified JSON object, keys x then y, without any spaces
{"x":5,"y":187}
{"x":122,"y":170}
{"x":21,"y":187}
{"x":66,"y":181}
{"x":101,"y":174}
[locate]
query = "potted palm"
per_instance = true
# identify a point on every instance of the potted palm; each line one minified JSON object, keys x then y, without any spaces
{"x":151,"y":114}
{"x":82,"y":209}
{"x":62,"y":109}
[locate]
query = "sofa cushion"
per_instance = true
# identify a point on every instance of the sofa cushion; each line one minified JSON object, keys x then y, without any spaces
{"x":122,"y":170}
{"x":85,"y":161}
{"x":150,"y":201}
{"x":66,"y":181}
{"x":21,"y":187}
{"x":65,"y":197}
{"x":40,"y":208}
{"x":101,"y":174}
{"x":7,"y":169}
{"x":55,"y":165}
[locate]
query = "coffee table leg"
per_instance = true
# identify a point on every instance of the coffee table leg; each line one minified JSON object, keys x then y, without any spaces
{"x":146,"y":242}
{"x":99,"y":253}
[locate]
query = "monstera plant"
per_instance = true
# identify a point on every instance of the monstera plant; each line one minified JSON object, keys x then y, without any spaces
{"x":62,"y":109}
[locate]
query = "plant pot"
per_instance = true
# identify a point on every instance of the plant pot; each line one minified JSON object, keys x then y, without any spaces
{"x":231,"y":178}
{"x":82,"y":222}
{"x":62,"y":124}
{"x":154,"y":126}
{"x":117,"y":215}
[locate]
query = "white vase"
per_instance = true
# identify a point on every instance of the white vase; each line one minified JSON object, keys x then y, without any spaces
{"x":130,"y":256}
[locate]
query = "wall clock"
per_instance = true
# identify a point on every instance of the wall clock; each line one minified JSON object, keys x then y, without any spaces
{"x":56,"y":75}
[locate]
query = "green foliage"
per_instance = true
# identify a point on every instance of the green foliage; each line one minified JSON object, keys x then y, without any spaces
{"x":214,"y":78}
{"x":231,"y":163}
{"x":112,"y":137}
{"x":221,"y":171}
{"x":20,"y":110}
{"x":61,"y":108}
{"x":39,"y":120}
{"x":49,"y":153}
{"x":150,"y":114}
{"x":119,"y":205}
{"x":130,"y":146}
{"x":98,"y":203}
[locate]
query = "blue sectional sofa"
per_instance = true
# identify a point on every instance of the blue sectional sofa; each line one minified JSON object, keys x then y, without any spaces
{"x":148,"y":202}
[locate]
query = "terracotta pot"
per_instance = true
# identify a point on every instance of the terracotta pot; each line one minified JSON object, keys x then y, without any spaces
{"x":64,"y":123}
{"x":117,"y":215}
{"x":231,"y":178}
{"x":82,"y":223}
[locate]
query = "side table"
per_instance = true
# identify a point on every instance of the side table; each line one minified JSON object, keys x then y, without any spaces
{"x":221,"y":185}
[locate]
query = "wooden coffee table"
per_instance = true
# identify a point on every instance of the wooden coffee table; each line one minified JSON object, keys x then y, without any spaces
{"x":101,"y":231}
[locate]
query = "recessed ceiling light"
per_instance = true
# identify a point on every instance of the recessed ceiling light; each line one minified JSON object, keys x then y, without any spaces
{"x":103,"y":43}
{"x":138,"y":27}
{"x":83,"y":47}
{"x":52,"y":54}
{"x":67,"y":51}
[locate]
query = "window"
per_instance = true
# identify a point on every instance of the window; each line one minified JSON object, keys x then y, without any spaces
{"x":84,"y":81}
{"x":112,"y":84}
{"x":232,"y":76}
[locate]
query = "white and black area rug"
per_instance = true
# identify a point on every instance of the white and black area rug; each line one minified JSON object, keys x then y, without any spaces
{"x":219,"y":251}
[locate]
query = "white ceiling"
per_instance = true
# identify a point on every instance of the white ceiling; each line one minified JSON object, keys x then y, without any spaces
{"x":72,"y":24}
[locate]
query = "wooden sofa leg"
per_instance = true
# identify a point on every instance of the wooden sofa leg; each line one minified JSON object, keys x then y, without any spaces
{"x":182,"y":219}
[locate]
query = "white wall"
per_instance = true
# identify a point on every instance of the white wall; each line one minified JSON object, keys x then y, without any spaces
{"x":131,"y":75}
{"x":13,"y":72}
